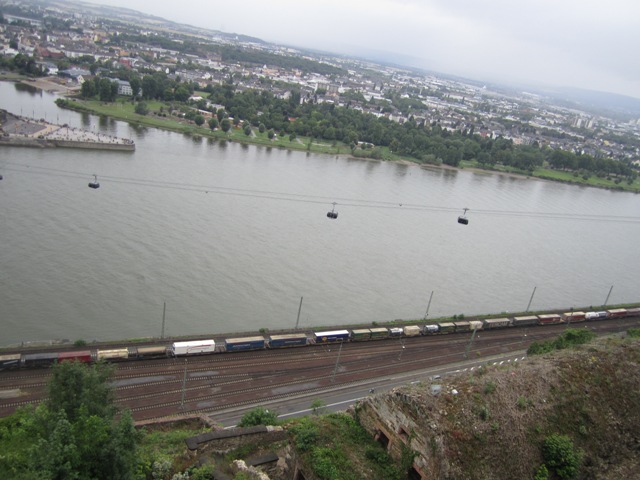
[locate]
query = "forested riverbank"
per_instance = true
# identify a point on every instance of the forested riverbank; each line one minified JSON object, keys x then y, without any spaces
{"x":261,"y":119}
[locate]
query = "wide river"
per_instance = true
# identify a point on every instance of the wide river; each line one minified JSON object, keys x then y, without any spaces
{"x":231,"y":237}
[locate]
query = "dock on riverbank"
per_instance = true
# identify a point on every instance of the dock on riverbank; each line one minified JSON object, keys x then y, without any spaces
{"x":16,"y":131}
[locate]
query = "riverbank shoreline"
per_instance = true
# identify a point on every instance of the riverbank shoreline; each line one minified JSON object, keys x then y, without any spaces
{"x":81,"y":343}
{"x":61,"y":88}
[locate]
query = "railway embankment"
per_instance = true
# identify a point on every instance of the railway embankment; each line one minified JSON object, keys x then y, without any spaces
{"x":17,"y":131}
{"x":587,"y":401}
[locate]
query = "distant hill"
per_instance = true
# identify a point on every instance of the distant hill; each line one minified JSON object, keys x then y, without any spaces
{"x":620,"y":106}
{"x":596,"y":102}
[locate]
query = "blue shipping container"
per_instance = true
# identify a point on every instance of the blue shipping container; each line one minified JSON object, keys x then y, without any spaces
{"x":279,"y":341}
{"x":248,"y":343}
{"x":333,"y":336}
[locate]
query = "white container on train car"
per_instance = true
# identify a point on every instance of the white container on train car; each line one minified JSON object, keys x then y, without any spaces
{"x":193,"y":347}
{"x":411,"y":331}
{"x":475,"y":325}
{"x":601,"y":315}
{"x":395,"y":331}
{"x":431,"y":329}
{"x":496,"y":323}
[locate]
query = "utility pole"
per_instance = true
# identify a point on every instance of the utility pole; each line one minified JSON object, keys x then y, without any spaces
{"x":607,"y":299}
{"x":164,"y":311}
{"x":184,"y":384}
{"x":473,"y":335}
{"x":299,"y":310}
{"x":426,"y":314}
{"x":335,"y":370}
{"x":531,"y":299}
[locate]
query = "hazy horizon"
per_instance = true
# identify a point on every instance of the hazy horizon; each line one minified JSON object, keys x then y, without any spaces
{"x":583,"y":44}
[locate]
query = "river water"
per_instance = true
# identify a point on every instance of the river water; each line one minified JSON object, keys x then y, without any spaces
{"x":232,"y":236}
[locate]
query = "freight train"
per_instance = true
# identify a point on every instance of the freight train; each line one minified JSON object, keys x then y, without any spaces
{"x":210,"y":346}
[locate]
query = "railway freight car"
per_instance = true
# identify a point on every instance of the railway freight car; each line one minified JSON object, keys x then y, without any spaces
{"x":331,"y":336}
{"x":526,"y":320}
{"x":360,"y":334}
{"x":633,"y":312}
{"x":446,"y":327}
{"x":411,"y":331}
{"x":379,"y":333}
{"x":492,"y":323}
{"x":84,"y":356}
{"x":549,"y":319}
{"x":617,"y":313}
{"x":475,"y":325}
{"x":288,"y":340}
{"x":10,"y":361}
{"x":45,"y":359}
{"x":193,"y":347}
{"x":113,"y":354}
{"x":244,"y":343}
{"x":153,"y":351}
{"x":395,"y":332}
{"x":463,"y":326}
{"x":573,"y":317}
{"x":596,"y":315}
{"x":430,"y":329}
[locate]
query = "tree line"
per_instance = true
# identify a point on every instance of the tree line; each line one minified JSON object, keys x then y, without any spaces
{"x":424,"y":141}
{"x":303,"y":115}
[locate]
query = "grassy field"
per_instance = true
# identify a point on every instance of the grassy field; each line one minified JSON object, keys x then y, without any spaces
{"x":561,"y":176}
{"x":124,"y":110}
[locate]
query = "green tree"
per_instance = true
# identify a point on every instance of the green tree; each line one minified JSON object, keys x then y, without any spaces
{"x":136,"y":84}
{"x":88,"y":89}
{"x":199,"y":120}
{"x":213,"y":123}
{"x":74,"y":385}
{"x":247,"y":129}
{"x":225,"y":125}
{"x":74,"y":434}
{"x":106,"y":90}
{"x":561,"y":456}
{"x":141,"y":108}
{"x":182,"y":94}
{"x":259,"y":416}
{"x":318,"y":406}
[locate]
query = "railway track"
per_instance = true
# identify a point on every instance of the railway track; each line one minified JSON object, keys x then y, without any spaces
{"x":209,"y":383}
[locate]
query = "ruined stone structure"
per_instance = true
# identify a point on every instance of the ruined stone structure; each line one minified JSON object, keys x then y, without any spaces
{"x":399,"y":421}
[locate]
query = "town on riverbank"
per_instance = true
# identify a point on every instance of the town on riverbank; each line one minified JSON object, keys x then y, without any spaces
{"x":230,"y":88}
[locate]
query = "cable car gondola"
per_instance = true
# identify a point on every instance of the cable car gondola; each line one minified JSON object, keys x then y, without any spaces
{"x":333,"y":214}
{"x":95,"y":183}
{"x":462,"y":219}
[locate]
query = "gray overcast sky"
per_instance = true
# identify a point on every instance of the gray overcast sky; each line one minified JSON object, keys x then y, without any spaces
{"x":580,"y":43}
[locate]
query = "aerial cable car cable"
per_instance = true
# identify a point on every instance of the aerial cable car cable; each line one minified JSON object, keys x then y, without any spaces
{"x":312,"y":199}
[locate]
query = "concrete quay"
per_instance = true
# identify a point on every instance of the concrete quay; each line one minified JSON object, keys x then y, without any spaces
{"x":26,"y":132}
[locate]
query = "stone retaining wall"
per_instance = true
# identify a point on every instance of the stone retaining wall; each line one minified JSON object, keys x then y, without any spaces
{"x":225,"y":440}
{"x":41,"y":143}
